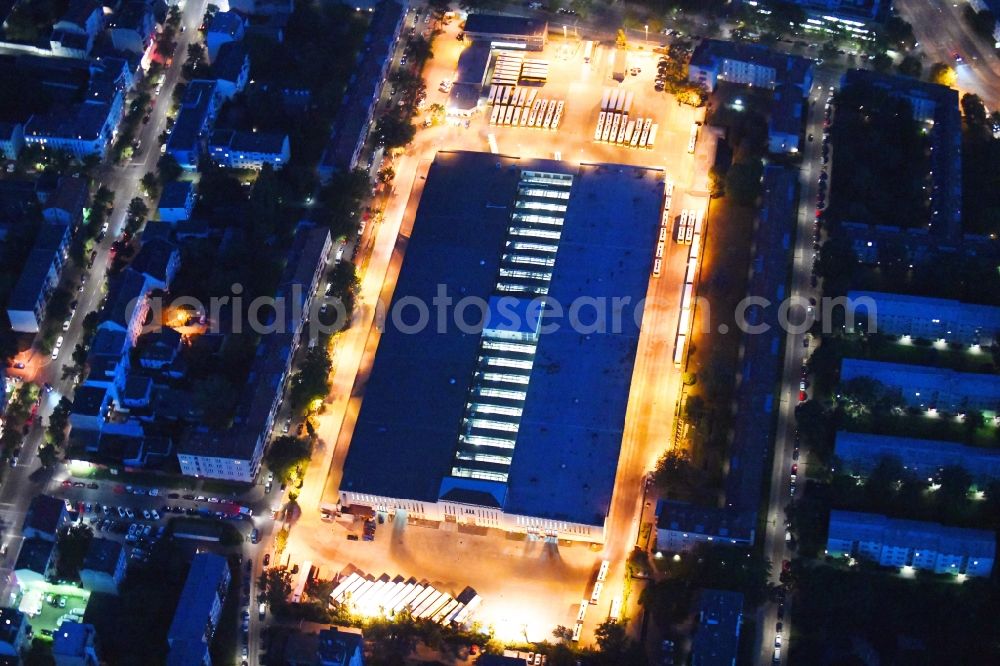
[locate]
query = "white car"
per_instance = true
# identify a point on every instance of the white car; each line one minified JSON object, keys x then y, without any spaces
{"x":59,"y":342}
{"x":55,"y":353}
{"x":65,"y":326}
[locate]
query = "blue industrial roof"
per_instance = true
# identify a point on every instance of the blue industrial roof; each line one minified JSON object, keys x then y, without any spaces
{"x":568,"y":444}
{"x":574,"y":416}
{"x":419,"y":382}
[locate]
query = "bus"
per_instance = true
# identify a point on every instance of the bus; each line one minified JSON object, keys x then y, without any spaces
{"x":548,"y":115}
{"x":613,"y":137}
{"x":629,"y":131}
{"x":600,"y":126}
{"x":694,"y":138}
{"x":596,"y":596}
{"x":577,"y":630}
{"x":652,"y":136}
{"x":493,"y":94}
{"x":657,"y":265}
{"x":494,"y":113}
{"x":645,"y":132}
{"x":516,"y":121}
{"x":583,"y":610}
{"x":621,"y":130}
{"x":605,"y":98}
{"x":588,"y":50}
{"x":628,"y":101}
{"x":679,"y":350}
{"x":616,"y":609}
{"x":602,"y":573}
{"x":541,"y":113}
{"x":533,"y":114}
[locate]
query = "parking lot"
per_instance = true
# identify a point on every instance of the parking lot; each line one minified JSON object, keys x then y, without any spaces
{"x":580,"y":85}
{"x":48,"y":605}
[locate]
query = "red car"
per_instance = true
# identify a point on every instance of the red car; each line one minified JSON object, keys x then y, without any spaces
{"x":795,"y":468}
{"x":802,"y":396}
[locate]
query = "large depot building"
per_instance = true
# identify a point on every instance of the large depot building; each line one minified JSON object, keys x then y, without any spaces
{"x":509,"y":424}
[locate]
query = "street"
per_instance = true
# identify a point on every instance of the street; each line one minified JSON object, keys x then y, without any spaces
{"x":775,"y":546}
{"x":942,"y":31}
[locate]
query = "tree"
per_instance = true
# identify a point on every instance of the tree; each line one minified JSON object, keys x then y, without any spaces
{"x":275,"y":585}
{"x":673,"y":470}
{"x":953,"y":494}
{"x":73,"y":543}
{"x":312,"y":381}
{"x":943,"y":74}
{"x":280,"y":542}
{"x":167,"y":168}
{"x":394,"y":130}
{"x":562,"y":633}
{"x":151,"y":184}
{"x":910,"y":66}
{"x":881,"y":63}
{"x":104,"y":197}
{"x":611,"y":639}
{"x":419,"y":49}
{"x":137,"y":209}
{"x":59,"y":421}
{"x":286,"y":455}
{"x":48,"y":456}
{"x":743,"y":182}
{"x":717,"y":182}
{"x":898,"y":34}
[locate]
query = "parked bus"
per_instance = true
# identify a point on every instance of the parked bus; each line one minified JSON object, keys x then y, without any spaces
{"x":657,"y":264}
{"x":605,"y":98}
{"x":628,"y":101}
{"x":493,"y":94}
{"x":600,"y":126}
{"x":621,"y":130}
{"x":602,"y":573}
{"x":629,"y":130}
{"x":652,"y":136}
{"x":682,"y":226}
{"x":588,"y":51}
{"x":616,"y":609}
{"x":596,"y":596}
{"x":694,"y":138}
